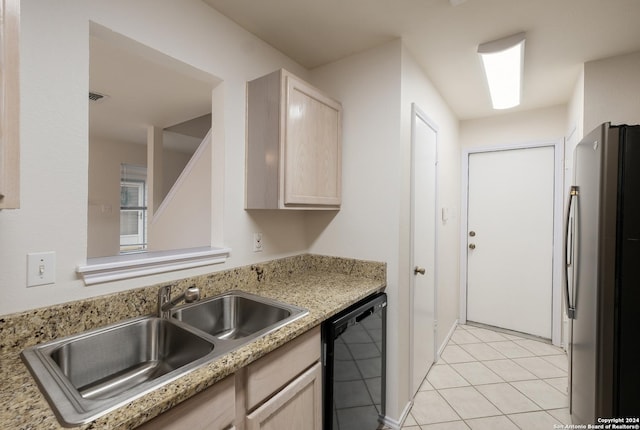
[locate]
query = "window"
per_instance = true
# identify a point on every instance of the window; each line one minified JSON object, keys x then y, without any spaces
{"x":133,"y":208}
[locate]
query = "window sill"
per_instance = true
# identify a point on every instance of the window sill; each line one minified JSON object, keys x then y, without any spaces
{"x":106,"y":269}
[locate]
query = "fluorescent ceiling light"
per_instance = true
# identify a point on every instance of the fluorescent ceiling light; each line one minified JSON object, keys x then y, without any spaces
{"x":502,"y":60}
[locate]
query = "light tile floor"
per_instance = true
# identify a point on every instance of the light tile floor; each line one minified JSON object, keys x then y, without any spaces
{"x":491,"y":380}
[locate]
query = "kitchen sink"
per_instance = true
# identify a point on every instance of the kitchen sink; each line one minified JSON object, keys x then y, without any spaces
{"x":237,"y":315}
{"x":89,"y":374}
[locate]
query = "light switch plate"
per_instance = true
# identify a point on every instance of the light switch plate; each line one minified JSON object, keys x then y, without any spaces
{"x":257,"y":242}
{"x":41,"y":268}
{"x":445,"y":215}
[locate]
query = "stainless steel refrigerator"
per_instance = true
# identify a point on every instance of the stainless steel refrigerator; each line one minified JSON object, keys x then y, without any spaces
{"x":603,"y":275}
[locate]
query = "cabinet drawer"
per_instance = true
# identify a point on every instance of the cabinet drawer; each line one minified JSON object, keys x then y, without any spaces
{"x":275,"y":370}
{"x":212,"y":409}
{"x":297,"y":406}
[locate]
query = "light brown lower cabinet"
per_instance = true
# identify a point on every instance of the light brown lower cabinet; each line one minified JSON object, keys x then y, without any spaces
{"x":297,"y":406}
{"x":280,"y":391}
{"x":270,"y":374}
{"x":212,"y":409}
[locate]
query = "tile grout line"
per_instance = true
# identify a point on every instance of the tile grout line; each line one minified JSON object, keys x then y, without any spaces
{"x":470,"y":385}
{"x":479,"y":392}
{"x":537,"y":378}
{"x":504,"y":381}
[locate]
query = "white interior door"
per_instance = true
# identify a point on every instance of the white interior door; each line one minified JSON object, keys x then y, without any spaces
{"x":510,"y":234}
{"x":424,"y":142}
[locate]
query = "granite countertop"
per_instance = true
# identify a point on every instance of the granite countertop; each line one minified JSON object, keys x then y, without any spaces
{"x":323,"y":285}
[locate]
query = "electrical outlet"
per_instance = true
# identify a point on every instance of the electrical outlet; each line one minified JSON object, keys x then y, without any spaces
{"x":257,"y":242}
{"x":41,"y":268}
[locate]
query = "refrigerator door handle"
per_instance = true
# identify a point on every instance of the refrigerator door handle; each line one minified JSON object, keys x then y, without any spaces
{"x":568,"y":251}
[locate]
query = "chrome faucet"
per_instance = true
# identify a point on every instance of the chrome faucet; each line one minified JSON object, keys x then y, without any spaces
{"x":191,"y":294}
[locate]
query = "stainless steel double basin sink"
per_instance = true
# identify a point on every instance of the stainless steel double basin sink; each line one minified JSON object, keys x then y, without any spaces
{"x":87,"y":375}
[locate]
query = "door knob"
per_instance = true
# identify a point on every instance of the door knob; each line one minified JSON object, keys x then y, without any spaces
{"x":472,"y":246}
{"x":419,"y":270}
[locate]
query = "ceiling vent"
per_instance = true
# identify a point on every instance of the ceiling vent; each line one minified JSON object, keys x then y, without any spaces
{"x":97,"y":97}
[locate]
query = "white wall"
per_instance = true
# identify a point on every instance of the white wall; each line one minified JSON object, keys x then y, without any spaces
{"x":376,"y":89}
{"x":611,"y":91}
{"x":575,"y":111}
{"x":54,"y":134}
{"x":367,"y":226}
{"x":606,"y":91}
{"x":575,"y":129}
{"x":174,"y":163}
{"x":514,"y":128}
{"x":183,"y":219}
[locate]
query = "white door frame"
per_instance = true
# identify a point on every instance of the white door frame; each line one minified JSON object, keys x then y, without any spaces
{"x":417,"y":113}
{"x":558,"y":191}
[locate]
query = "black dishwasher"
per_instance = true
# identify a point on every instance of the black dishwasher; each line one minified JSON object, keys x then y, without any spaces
{"x":354,"y":353}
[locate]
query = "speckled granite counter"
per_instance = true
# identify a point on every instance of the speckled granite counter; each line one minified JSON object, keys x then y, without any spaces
{"x":323,"y":285}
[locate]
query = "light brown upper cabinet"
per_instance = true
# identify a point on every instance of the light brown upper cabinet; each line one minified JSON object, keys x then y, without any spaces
{"x":294,"y":145}
{"x":9,"y":105}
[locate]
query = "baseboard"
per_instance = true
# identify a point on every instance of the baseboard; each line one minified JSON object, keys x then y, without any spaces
{"x":397,"y":425}
{"x":446,"y":339}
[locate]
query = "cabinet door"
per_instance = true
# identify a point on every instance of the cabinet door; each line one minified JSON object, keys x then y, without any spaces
{"x":297,"y":406}
{"x":312,"y":140}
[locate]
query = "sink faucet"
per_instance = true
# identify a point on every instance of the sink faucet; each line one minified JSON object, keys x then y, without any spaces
{"x":191,"y":294}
